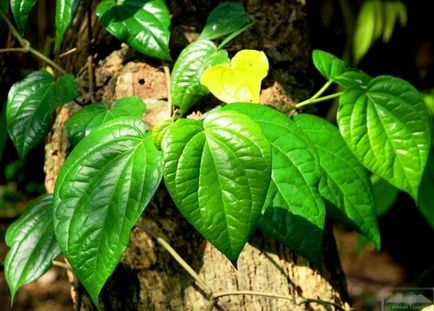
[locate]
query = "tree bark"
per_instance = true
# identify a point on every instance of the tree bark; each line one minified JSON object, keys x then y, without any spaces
{"x":148,"y":277}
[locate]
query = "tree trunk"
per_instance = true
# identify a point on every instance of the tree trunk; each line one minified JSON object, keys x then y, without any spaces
{"x":148,"y":277}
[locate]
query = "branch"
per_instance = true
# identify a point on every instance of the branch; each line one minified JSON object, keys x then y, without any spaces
{"x":208,"y":291}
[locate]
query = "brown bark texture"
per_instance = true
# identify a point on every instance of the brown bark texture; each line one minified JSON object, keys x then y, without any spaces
{"x":148,"y":277}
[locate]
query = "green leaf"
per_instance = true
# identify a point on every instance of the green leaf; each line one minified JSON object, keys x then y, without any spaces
{"x":30,"y":104}
{"x":387,"y":127}
{"x":21,"y":10}
{"x":4,"y":6}
{"x":32,"y":243}
{"x":335,"y":69}
{"x":328,"y":65}
{"x":90,"y":117}
{"x":217,"y":172}
{"x":294,"y":213}
{"x":64,"y":11}
{"x":368,"y":28}
{"x":143,"y":24}
{"x":102,"y":189}
{"x":393,"y":11}
{"x":384,"y":193}
{"x":185,"y":87}
{"x":345,"y":182}
{"x":159,"y":130}
{"x":226,"y":18}
{"x":425,"y":201}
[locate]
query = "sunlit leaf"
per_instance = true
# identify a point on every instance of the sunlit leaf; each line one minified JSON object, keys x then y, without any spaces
{"x":30,"y":104}
{"x":90,"y":117}
{"x":240,"y":80}
{"x":425,"y":201}
{"x":387,"y":127}
{"x":185,"y":87}
{"x":32,"y":243}
{"x":294,"y":213}
{"x":102,"y":189}
{"x":64,"y":11}
{"x":21,"y":10}
{"x":143,"y":24}
{"x":344,"y":182}
{"x":217,"y":172}
{"x":224,"y":19}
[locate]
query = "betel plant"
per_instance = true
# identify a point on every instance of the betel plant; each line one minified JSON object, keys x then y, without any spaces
{"x":239,"y":167}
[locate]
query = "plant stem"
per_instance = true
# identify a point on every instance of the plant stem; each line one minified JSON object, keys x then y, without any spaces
{"x":47,"y":60}
{"x":322,"y":90}
{"x":208,"y":292}
{"x":249,"y":292}
{"x":317,"y":100}
{"x":234,"y":35}
{"x":26,"y":46}
{"x":61,"y":265}
{"x":7,"y":50}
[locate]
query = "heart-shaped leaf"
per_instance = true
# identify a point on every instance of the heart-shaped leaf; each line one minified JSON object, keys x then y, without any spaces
{"x":387,"y":127}
{"x":335,"y":69}
{"x":224,"y":19}
{"x":30,"y":104}
{"x":64,"y":11}
{"x":21,"y":10}
{"x":90,"y":117}
{"x":103,"y":187}
{"x":32,"y":243}
{"x":345,"y":182}
{"x":185,"y":87}
{"x":217,"y":172}
{"x":143,"y":24}
{"x":240,"y":80}
{"x":294,"y":213}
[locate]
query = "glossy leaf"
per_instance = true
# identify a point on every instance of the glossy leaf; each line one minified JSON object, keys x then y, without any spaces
{"x":226,"y":18}
{"x":335,"y":69}
{"x":345,"y":182}
{"x":90,"y":117}
{"x":240,"y":80}
{"x":102,"y":189}
{"x":425,"y":201}
{"x":185,"y":87}
{"x":387,"y":127}
{"x":294,"y":213}
{"x":21,"y":10}
{"x":159,"y":130}
{"x":217,"y":172}
{"x":384,"y":193}
{"x":64,"y":11}
{"x":143,"y":24}
{"x":33,"y":246}
{"x":30,"y":104}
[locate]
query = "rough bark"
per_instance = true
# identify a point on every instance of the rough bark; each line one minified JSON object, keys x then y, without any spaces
{"x":148,"y":278}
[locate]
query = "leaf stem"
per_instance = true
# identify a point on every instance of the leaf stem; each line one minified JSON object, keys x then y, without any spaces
{"x":26,"y":46}
{"x":235,"y":34}
{"x":7,"y":50}
{"x":317,"y":100}
{"x":322,"y":90}
{"x":208,"y":291}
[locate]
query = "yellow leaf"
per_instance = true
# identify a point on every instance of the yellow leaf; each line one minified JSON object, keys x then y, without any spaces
{"x":239,"y":81}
